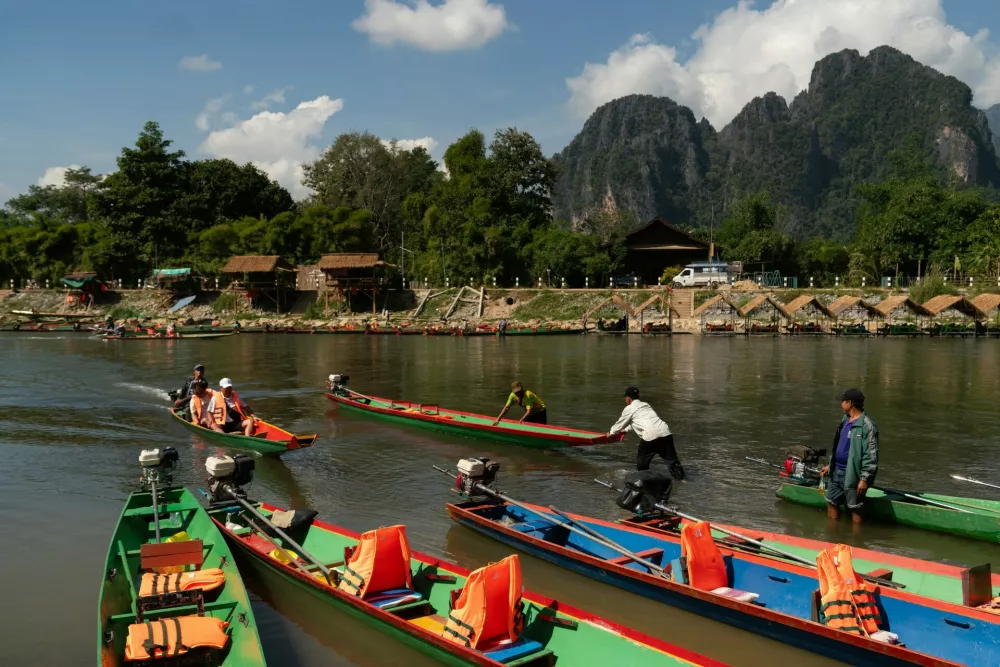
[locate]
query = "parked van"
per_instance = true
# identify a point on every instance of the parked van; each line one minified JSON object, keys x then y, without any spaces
{"x":704,"y":274}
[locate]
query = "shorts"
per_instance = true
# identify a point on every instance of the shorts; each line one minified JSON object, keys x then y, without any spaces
{"x":837,"y":495}
{"x":232,"y":427}
{"x":540,"y":417}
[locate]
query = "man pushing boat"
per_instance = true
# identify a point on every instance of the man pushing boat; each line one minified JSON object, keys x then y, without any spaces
{"x":855,"y":458}
{"x":654,"y":434}
{"x":534,"y":407}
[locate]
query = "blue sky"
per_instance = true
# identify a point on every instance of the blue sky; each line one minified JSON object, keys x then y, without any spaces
{"x":80,"y":79}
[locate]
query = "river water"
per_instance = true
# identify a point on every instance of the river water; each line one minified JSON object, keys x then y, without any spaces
{"x":76,"y":411}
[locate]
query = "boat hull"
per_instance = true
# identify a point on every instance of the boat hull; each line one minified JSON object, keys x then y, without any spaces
{"x":785,"y":591}
{"x":468,"y":424}
{"x":896,"y":509}
{"x":277,"y":441}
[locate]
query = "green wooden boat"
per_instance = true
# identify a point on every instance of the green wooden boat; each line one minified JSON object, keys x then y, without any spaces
{"x":554,"y":633}
{"x":133,"y":546}
{"x":268,"y":439}
{"x":981,"y":521}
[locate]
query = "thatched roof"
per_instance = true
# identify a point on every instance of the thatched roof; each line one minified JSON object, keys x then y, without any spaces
{"x":987,"y":303}
{"x":845,"y":303}
{"x":350,"y":260}
{"x":718,"y":301}
{"x":944,"y":302}
{"x":256,"y":264}
{"x":757,"y":302}
{"x":617,"y":301}
{"x":891,"y":303}
{"x":665,"y":304}
{"x":798,"y":303}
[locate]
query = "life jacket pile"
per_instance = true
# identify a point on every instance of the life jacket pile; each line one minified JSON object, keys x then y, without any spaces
{"x":706,"y":568}
{"x":489,"y":609}
{"x":157,"y":584}
{"x":380,"y":562}
{"x":848,"y":601}
{"x":168,"y":637}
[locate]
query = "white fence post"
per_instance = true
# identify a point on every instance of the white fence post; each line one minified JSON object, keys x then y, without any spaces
{"x":564,"y":282}
{"x":447,"y":282}
{"x":970,"y":281}
{"x":635,"y":281}
{"x":838,"y":282}
{"x":586,"y":282}
{"x":517,"y":282}
{"x":494,"y":281}
{"x":786,"y":281}
{"x":810,"y":282}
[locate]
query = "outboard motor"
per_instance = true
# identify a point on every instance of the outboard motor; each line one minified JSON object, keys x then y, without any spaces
{"x":227,"y":475}
{"x":473,"y":471}
{"x":802,"y":463}
{"x":158,"y":467}
{"x":643,"y":490}
{"x":337,"y":382}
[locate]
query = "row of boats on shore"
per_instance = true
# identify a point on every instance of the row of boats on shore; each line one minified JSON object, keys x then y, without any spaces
{"x":774,"y":585}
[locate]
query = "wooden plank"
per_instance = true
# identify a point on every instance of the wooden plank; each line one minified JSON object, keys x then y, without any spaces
{"x":454,"y":303}
{"x":420,"y":306}
{"x":881,"y":573}
{"x":165,"y":554}
{"x":655,"y":555}
{"x":482,"y":297}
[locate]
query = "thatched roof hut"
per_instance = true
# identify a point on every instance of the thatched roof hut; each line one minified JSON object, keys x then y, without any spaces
{"x":718,"y":304}
{"x":900,"y":307}
{"x":806,"y":305}
{"x":762,"y":304}
{"x":951,"y":302}
{"x":988,"y":304}
{"x":718,"y":315}
{"x":247,"y":264}
{"x":617,"y":303}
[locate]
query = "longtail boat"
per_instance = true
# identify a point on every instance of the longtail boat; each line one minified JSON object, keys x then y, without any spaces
{"x":417,"y":607}
{"x":541,"y":331}
{"x":267,"y":439}
{"x":168,"y":568}
{"x":191,"y":336}
{"x":972,"y":517}
{"x":763,"y":595}
{"x":431,"y":416}
{"x":920,"y":577}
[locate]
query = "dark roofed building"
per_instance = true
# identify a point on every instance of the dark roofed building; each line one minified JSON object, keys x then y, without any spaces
{"x":657,"y":245}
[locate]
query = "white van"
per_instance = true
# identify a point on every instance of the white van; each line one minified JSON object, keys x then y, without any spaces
{"x":702,"y":274}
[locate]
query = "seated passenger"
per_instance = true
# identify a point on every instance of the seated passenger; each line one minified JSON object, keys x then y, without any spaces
{"x":200,"y":412}
{"x":229,"y":413}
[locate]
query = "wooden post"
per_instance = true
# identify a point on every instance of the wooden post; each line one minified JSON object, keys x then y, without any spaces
{"x":482,"y":297}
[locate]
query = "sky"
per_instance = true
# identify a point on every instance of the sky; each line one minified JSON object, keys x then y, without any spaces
{"x":275,"y":83}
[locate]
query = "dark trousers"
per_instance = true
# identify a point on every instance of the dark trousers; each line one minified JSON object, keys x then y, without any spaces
{"x":537,"y":418}
{"x":664,"y":446}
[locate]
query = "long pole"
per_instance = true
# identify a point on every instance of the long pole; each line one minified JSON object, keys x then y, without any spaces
{"x":757,"y":543}
{"x":274,"y":543}
{"x":974,"y":481}
{"x":653,"y":567}
{"x":156,"y":510}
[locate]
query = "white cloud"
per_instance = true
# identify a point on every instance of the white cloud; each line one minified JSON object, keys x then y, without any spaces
{"x":273,"y":97}
{"x":247,"y":89}
{"x":200,"y":63}
{"x":278,"y":143}
{"x":6,"y":192}
{"x":746,"y":52}
{"x":56,"y":176}
{"x":203,"y":121}
{"x":449,"y":26}
{"x":427,"y":143}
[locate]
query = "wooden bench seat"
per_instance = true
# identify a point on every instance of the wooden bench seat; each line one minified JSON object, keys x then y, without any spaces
{"x":654,"y":555}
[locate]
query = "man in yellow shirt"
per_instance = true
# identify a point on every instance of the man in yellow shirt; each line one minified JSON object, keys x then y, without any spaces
{"x":534,"y":407}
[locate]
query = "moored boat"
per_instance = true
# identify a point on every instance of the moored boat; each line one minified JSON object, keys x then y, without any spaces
{"x":429,"y":415}
{"x":267,"y":439}
{"x":170,"y":591}
{"x":759,"y":594}
{"x":192,"y":336}
{"x":971,"y":517}
{"x":446,"y":612}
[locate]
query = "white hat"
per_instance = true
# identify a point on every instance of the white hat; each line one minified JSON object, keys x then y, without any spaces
{"x":225,"y":382}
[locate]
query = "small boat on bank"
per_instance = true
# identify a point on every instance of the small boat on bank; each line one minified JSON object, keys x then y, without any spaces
{"x":429,"y":415}
{"x":967,"y":517}
{"x":268,"y":438}
{"x":191,"y":336}
{"x":170,"y":591}
{"x":446,"y":612}
{"x":762,"y":595}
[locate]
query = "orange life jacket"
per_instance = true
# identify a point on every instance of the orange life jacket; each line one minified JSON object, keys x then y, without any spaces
{"x":489,"y":609}
{"x":705,"y":565}
{"x":197,"y":407}
{"x":380,"y":562}
{"x":219,"y":411}
{"x":157,"y":584}
{"x":167,"y":637}
{"x":848,"y":603}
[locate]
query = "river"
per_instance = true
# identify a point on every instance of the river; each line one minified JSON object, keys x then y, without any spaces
{"x":76,"y":411}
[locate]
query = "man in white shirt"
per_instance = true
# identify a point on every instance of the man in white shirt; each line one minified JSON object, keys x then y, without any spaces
{"x":654,"y":434}
{"x":230,"y":414}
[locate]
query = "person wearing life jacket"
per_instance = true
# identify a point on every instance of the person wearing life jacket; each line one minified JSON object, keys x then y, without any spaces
{"x":534,"y":407}
{"x":848,"y":602}
{"x":199,"y":410}
{"x":230,"y":414}
{"x":855,"y":458}
{"x":489,"y":609}
{"x":174,"y":635}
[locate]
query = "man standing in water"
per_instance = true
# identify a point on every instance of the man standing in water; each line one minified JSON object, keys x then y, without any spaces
{"x":654,"y":434}
{"x":855,"y":458}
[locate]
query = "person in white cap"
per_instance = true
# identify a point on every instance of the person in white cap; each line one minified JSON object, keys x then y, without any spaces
{"x":230,"y":414}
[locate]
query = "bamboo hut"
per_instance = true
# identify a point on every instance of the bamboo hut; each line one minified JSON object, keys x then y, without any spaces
{"x":350,"y":274}
{"x":719,"y":317}
{"x":989,"y":306}
{"x":902,"y":316}
{"x":656,"y":315}
{"x":762,"y":316}
{"x":612,"y":303}
{"x":854,"y":316}
{"x":807,"y":315}
{"x":257,"y":277}
{"x":953,"y":316}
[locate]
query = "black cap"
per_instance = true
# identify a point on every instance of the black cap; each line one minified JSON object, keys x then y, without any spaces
{"x":632,"y":392}
{"x":853,"y":395}
{"x":199,"y":367}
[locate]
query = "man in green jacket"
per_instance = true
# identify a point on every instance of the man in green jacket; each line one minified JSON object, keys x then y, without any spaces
{"x":854,"y":461}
